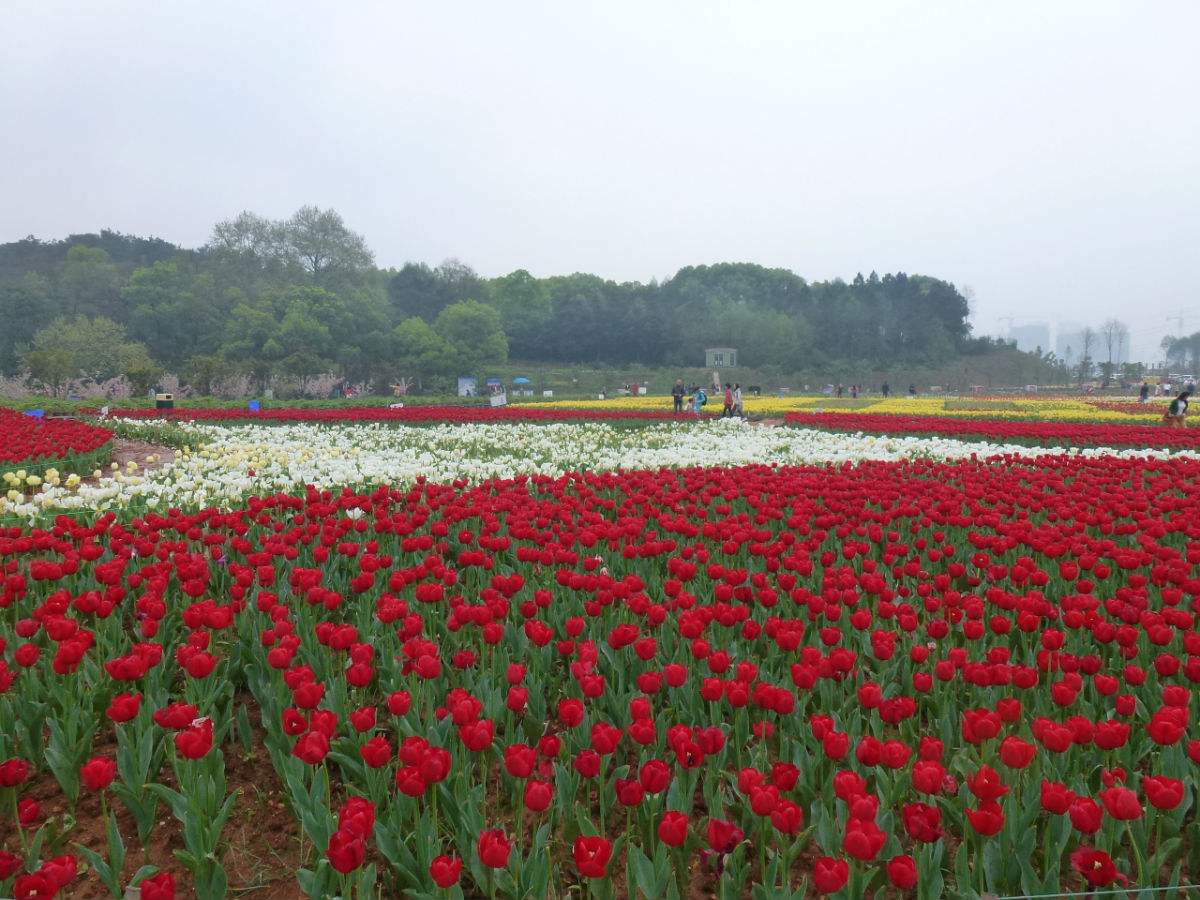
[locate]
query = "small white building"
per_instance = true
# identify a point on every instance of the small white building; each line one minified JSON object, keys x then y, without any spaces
{"x":720,"y":358}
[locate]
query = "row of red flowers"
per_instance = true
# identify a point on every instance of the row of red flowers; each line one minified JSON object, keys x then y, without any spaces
{"x":28,"y":440}
{"x":1069,"y":434}
{"x":950,"y":678}
{"x":404,"y":415}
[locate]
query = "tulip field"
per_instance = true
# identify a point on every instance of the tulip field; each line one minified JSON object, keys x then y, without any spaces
{"x":36,"y":444}
{"x":574,"y":655}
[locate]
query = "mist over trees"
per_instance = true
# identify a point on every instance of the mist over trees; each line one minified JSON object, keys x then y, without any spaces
{"x":301,"y":297}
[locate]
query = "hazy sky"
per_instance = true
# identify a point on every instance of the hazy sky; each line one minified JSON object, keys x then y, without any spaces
{"x":1046,"y":154}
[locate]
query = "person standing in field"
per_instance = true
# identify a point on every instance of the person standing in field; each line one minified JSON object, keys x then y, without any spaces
{"x":677,"y":393}
{"x":885,"y":390}
{"x":698,"y":400}
{"x":1177,"y":411}
{"x":737,"y":400}
{"x":728,"y":410}
{"x":1144,"y":393}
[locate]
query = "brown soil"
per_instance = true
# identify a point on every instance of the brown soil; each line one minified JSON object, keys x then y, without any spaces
{"x":140,"y":452}
{"x":261,"y":843}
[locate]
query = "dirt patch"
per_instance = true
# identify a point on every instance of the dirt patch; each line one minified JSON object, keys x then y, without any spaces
{"x":261,"y":846}
{"x":147,"y":456}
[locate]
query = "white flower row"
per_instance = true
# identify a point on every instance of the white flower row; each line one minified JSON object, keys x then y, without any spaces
{"x":233,"y":461}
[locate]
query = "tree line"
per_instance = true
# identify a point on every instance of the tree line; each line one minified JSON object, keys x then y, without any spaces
{"x":296,"y":298}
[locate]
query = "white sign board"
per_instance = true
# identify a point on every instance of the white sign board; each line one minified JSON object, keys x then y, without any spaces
{"x":500,"y":399}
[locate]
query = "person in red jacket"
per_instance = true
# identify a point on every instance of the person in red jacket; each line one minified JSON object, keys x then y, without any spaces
{"x":728,"y":411}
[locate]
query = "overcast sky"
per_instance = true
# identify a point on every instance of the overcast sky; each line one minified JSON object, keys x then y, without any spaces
{"x":1045,"y":154}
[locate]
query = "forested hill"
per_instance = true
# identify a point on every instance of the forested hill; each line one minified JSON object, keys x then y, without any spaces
{"x":303,"y":296}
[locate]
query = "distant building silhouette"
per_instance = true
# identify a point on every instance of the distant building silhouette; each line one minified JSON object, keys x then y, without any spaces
{"x":1030,"y":337}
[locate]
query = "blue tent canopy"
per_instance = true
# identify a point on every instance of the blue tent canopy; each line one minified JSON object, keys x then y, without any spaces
{"x":521,"y":379}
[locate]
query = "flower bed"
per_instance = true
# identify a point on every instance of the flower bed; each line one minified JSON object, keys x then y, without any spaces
{"x":1155,"y":406}
{"x":223,"y":463}
{"x":955,"y":678}
{"x":1014,"y":408}
{"x":36,"y":444}
{"x":409,"y":415}
{"x":1048,"y":434}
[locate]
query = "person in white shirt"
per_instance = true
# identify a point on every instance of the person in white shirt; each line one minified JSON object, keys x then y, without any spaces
{"x":737,"y":400}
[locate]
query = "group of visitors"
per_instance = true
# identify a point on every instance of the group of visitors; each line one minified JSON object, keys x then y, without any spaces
{"x":1176,"y":413}
{"x":857,"y":390}
{"x":696,"y":398}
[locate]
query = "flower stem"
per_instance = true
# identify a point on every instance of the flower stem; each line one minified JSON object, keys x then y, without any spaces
{"x":1137,"y":855}
{"x":12,"y":796}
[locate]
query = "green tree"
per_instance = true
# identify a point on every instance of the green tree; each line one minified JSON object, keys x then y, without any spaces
{"x":313,"y":245}
{"x":524,"y":305}
{"x":203,"y":372}
{"x":142,"y":376}
{"x":251,"y":340}
{"x":84,"y":348}
{"x":474,"y":333}
{"x":419,"y":352}
{"x":326,"y":248}
{"x":24,"y":308}
{"x":418,"y":290}
{"x":90,"y":284}
{"x":305,"y":341}
{"x":51,"y":367}
{"x":176,"y":313}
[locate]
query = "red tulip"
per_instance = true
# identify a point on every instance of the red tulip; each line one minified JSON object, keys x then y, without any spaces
{"x":493,"y":848}
{"x":672,"y":828}
{"x":863,"y":840}
{"x":1162,"y":792}
{"x":9,"y":864}
{"x":445,"y":870}
{"x":538,"y":795}
{"x":124,"y":707}
{"x":13,"y":772}
{"x":723,"y":836}
{"x":1016,"y":753}
{"x":311,"y":748}
{"x":922,"y":822}
{"x":98,"y":773}
{"x":357,"y":816}
{"x":1086,"y":815}
{"x":986,"y":785}
{"x":196,"y":741}
{"x":346,"y":851}
{"x":830,"y":875}
{"x":1096,"y":866}
{"x":1121,"y":803}
{"x":788,"y":817}
{"x":376,"y":752}
{"x":655,"y":776}
{"x":902,"y":872}
{"x":988,"y":819}
{"x":157,"y":887}
{"x":61,"y":870}
{"x":591,"y":856}
{"x":1056,"y":797}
